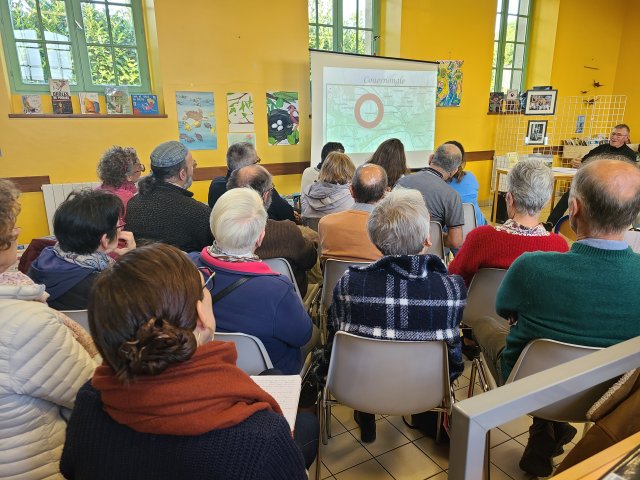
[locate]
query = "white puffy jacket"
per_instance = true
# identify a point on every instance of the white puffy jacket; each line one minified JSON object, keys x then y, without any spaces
{"x":41,"y":369}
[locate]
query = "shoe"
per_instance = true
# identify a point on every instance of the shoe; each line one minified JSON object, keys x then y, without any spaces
{"x":536,"y":459}
{"x":367,"y":424}
{"x":548,"y":226}
{"x":563,"y":433}
{"x":470,"y":351}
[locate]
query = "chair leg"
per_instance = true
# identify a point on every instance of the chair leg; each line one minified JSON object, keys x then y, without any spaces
{"x":324,"y":420}
{"x":487,"y":456}
{"x":439,"y":428}
{"x":472,"y":379}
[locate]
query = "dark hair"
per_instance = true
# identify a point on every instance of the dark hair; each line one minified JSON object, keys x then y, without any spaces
{"x":369,"y":192}
{"x":160,"y":174}
{"x":9,"y":210}
{"x":84,"y":217}
{"x":327,"y":149}
{"x":390,"y":156}
{"x":240,"y":155}
{"x":253,"y":176}
{"x":142,"y":324}
{"x":115,"y":164}
{"x":460,"y":173}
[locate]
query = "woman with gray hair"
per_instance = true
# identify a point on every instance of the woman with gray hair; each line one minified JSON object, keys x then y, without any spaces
{"x":529,"y":186}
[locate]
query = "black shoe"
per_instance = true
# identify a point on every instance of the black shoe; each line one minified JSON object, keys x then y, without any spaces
{"x":563,"y":433}
{"x":470,"y":351}
{"x":536,"y":459}
{"x":367,"y":424}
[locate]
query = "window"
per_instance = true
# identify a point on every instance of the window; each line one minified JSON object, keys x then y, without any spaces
{"x":91,"y":43}
{"x":513,"y":21}
{"x":344,"y":25}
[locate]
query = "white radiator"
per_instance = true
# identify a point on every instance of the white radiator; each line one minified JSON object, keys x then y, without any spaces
{"x":55,"y":194}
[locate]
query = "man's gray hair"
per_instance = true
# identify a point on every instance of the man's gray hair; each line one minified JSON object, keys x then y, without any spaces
{"x":399,"y":223}
{"x":252,"y":176}
{"x":240,"y":155}
{"x":530,"y":183}
{"x":448,"y":157}
{"x":237,"y":220}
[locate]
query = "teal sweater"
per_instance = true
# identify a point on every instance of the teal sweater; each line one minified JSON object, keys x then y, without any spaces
{"x":587,"y":296}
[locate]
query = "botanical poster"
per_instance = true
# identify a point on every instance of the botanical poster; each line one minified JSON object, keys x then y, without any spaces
{"x":240,"y":112}
{"x":283,"y":118}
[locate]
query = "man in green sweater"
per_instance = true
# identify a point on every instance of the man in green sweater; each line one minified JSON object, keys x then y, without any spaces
{"x":588,"y":296}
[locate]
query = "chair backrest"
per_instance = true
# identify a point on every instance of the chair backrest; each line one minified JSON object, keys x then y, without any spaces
{"x":56,"y":193}
{"x":470,"y":221}
{"x":311,"y":222}
{"x":282,"y":266}
{"x":81,"y":317}
{"x":253,"y":358}
{"x":632,"y":237}
{"x":542,"y":354}
{"x":388,"y":376}
{"x":333,"y":270}
{"x":481,"y":298}
{"x":437,"y":243}
{"x":563,"y":228}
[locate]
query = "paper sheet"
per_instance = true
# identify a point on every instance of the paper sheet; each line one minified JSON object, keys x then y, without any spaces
{"x":286,"y":391}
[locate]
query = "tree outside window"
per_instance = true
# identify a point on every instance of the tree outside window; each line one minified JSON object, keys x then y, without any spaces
{"x":513,"y":23}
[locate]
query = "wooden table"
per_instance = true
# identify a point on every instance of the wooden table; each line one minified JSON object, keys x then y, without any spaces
{"x":559,"y":174}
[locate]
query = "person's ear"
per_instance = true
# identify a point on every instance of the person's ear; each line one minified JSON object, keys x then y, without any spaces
{"x":182,"y":175}
{"x":427,"y":242}
{"x":260,"y":238}
{"x":105,"y":242}
{"x":431,"y":158}
{"x":351,"y":190}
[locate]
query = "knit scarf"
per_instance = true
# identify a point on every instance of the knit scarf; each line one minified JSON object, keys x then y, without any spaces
{"x":95,"y":261}
{"x":216,"y":252}
{"x":207,"y":392}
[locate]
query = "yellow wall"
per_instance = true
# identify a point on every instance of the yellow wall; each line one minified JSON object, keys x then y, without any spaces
{"x":627,"y":80}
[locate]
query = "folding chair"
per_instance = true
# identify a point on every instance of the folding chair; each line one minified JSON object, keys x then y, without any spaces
{"x":470,"y":221}
{"x":253,"y":358}
{"x":437,"y":242}
{"x":563,"y":228}
{"x":282,"y":266}
{"x":81,"y":317}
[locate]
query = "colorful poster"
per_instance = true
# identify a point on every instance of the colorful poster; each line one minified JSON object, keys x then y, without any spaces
{"x":60,"y":96}
{"x":118,"y":100}
{"x":283,"y":118}
{"x":449,"y":92}
{"x":240,"y":112}
{"x":580,"y":124}
{"x":197,"y":120}
{"x":248,"y":137}
{"x":31,"y":104}
{"x":89,"y":103}
{"x":145,"y":104}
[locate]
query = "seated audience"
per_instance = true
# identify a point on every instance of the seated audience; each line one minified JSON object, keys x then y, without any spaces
{"x":241,"y":155}
{"x":467,"y":186}
{"x":330,"y":194}
{"x":282,"y":238}
{"x":310,"y":174}
{"x":86,"y":227}
{"x":529,"y":186}
{"x":443,"y":202}
{"x":343,"y":235}
{"x":164,"y":210}
{"x":420,"y":300}
{"x":119,"y":169}
{"x":42,"y":364}
{"x":587,"y":296}
{"x":390,"y":156}
{"x":168,"y":402}
{"x":248,"y":296}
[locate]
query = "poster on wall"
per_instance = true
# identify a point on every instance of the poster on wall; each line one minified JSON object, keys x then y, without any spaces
{"x":248,"y":137}
{"x":240,"y":112}
{"x":283,"y":118}
{"x":197,"y":120}
{"x":449,"y":92}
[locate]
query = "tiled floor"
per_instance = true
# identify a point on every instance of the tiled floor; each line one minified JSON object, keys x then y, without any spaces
{"x":403,"y":454}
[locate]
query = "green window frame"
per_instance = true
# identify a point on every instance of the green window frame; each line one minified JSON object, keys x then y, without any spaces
{"x":511,"y":45}
{"x":60,"y":45}
{"x":349,"y":26}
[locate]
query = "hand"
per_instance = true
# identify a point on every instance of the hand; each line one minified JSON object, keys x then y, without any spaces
{"x":128,"y":240}
{"x":513,"y":319}
{"x":576,"y":162}
{"x":297,"y":217}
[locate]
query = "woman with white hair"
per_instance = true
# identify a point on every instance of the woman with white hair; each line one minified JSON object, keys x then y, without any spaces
{"x":529,"y":186}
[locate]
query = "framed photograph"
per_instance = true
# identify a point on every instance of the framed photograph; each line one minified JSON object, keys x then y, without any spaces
{"x":536,"y":132}
{"x":541,"y":102}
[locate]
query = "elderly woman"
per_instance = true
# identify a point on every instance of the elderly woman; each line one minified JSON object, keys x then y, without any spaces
{"x":86,"y":227}
{"x":119,"y":169}
{"x":529,"y":186}
{"x":248,"y":296}
{"x":42,"y":366}
{"x":168,"y":402}
{"x":330,"y":194}
{"x":390,"y":156}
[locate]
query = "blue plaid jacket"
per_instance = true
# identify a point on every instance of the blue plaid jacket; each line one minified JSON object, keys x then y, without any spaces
{"x":403,"y":297}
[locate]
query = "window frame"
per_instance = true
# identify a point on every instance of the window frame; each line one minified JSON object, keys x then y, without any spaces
{"x":79,"y":51}
{"x":339,"y":27}
{"x":498,"y":71}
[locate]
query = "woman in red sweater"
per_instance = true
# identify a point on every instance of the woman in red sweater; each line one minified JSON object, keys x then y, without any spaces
{"x":529,"y":186}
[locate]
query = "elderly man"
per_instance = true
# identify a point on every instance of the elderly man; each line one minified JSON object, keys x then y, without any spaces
{"x":443,"y":202}
{"x":248,"y":296}
{"x":588,"y":296}
{"x":164,"y":209}
{"x":343,"y":235}
{"x":617,"y":146}
{"x":240,"y":155}
{"x":423,"y":302}
{"x":283,"y":239}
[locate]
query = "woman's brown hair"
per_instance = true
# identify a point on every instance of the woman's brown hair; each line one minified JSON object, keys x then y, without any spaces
{"x":9,"y":210}
{"x":142,"y":311}
{"x":337,"y":168}
{"x":390,"y":156}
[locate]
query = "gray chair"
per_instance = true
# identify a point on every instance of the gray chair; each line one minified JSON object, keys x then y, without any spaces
{"x":282,"y":266}
{"x":253,"y":358}
{"x":470,"y":221}
{"x":311,"y":222}
{"x":81,"y":317}
{"x":386,"y":377}
{"x":437,"y":242}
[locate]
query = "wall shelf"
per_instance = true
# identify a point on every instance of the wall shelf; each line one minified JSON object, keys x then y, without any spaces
{"x":76,"y":115}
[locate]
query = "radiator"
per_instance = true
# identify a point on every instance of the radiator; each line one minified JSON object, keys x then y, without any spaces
{"x":56,"y":193}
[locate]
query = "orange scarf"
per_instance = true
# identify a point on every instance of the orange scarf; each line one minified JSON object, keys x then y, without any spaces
{"x":207,"y":392}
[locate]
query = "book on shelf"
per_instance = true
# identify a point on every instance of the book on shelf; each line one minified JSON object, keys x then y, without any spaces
{"x":31,"y":104}
{"x":118,"y":100}
{"x":145,"y":104}
{"x":89,"y":103}
{"x":495,"y":102}
{"x":60,"y":96}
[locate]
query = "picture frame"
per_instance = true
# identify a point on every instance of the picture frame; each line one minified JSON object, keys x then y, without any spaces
{"x":536,"y":132}
{"x":540,"y":102}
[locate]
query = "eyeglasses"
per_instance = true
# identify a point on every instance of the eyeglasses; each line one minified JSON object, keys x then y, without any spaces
{"x":258,"y":160}
{"x":616,"y":134}
{"x":139,"y":168}
{"x":208,"y":274}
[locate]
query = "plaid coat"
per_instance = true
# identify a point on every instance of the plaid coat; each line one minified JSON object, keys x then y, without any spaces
{"x":403,"y":297}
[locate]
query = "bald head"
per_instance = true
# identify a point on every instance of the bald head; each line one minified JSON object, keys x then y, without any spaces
{"x":369,"y":183}
{"x":607,"y":193}
{"x":254,"y":177}
{"x":448,"y":157}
